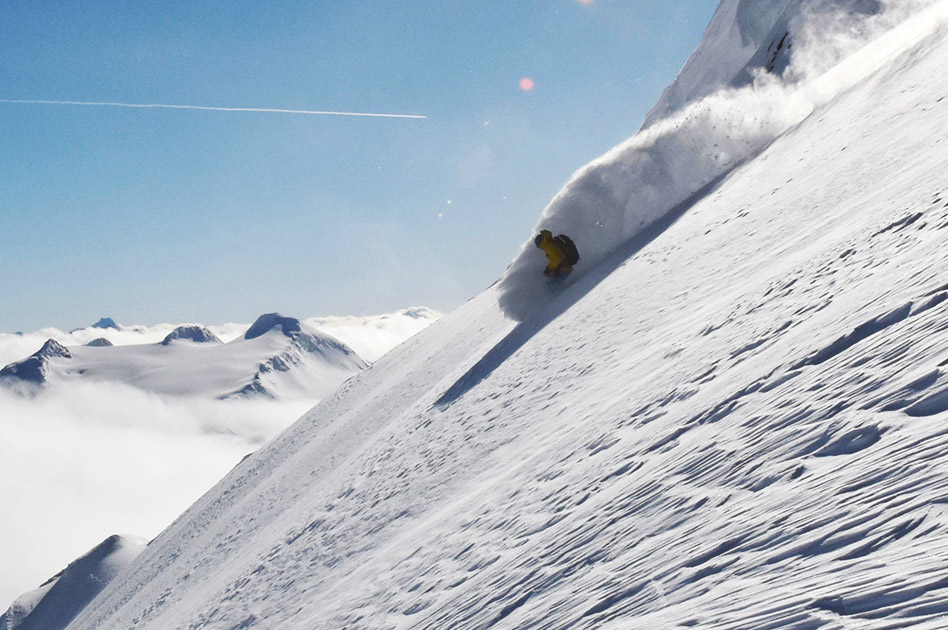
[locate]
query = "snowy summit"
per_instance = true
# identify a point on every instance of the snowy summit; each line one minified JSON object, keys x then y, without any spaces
{"x":747,"y":38}
{"x":730,"y":414}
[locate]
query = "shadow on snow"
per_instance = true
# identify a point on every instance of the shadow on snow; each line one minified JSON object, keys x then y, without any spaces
{"x":548,"y":311}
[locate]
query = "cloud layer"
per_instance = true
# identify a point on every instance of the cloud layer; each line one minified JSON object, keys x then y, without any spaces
{"x":82,"y":462}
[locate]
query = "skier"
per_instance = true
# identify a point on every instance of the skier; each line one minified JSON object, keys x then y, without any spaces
{"x":560,"y":251}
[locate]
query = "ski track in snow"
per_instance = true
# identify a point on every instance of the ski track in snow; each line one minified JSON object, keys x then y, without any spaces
{"x":741,"y":426}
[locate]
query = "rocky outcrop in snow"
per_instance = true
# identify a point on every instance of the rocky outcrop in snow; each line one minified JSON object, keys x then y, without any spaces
{"x":266,"y":323}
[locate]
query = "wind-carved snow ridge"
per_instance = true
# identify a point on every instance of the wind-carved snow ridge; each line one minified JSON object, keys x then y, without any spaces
{"x":611,"y":200}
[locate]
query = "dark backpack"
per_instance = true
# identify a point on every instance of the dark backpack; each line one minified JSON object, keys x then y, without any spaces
{"x":572,"y":254}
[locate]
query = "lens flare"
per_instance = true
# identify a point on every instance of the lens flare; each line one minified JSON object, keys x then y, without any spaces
{"x":527,"y":84}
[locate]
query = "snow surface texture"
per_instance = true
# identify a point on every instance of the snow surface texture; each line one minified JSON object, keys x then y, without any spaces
{"x":739,"y":425}
{"x":658,"y":173}
{"x":54,"y":604}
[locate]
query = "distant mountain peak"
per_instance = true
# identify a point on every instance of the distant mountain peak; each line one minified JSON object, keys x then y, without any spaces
{"x":51,"y":349}
{"x":35,"y":367}
{"x":195,"y":333}
{"x":106,"y":322}
{"x":306,"y":340}
{"x":266,"y":323}
{"x":420,"y":312}
{"x":100,"y":342}
{"x":54,"y":604}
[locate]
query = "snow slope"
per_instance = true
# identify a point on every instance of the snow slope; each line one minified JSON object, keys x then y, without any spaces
{"x":663,"y":169}
{"x":733,"y":420}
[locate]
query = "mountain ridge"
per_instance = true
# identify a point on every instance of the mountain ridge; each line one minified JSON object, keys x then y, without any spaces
{"x":192,"y":360}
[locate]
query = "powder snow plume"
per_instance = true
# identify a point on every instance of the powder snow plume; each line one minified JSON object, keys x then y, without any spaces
{"x":611,"y":200}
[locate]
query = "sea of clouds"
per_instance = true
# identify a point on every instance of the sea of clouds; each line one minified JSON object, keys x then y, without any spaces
{"x":81,"y":461}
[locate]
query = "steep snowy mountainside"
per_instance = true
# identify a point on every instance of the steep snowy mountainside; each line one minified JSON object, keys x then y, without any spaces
{"x":733,"y":421}
{"x":351,"y":422}
{"x":751,"y":36}
{"x":54,"y":604}
{"x":662,"y":170}
{"x":277,"y":357}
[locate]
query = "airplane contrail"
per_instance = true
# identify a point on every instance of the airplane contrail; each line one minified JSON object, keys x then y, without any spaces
{"x":305,"y":112}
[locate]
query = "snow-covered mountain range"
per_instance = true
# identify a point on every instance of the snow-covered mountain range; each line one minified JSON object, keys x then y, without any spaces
{"x":278,"y":357}
{"x":370,"y":336}
{"x":275,"y":357}
{"x":728,"y":416}
{"x":103,"y":453}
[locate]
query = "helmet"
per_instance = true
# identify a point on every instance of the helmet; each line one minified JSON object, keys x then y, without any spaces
{"x":544,"y":235}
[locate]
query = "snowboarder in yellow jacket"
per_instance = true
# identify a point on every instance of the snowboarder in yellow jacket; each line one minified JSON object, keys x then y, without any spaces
{"x":559,"y":250}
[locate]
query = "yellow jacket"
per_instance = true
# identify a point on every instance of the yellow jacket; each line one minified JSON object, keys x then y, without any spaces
{"x":554,"y":253}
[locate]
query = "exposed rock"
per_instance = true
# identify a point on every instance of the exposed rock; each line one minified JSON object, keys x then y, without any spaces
{"x":266,"y":323}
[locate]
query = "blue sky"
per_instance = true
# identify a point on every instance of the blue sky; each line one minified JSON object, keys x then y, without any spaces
{"x":149,"y":215}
